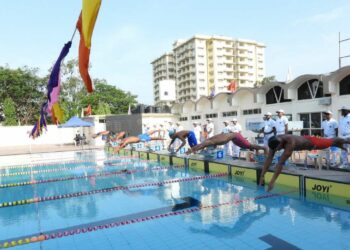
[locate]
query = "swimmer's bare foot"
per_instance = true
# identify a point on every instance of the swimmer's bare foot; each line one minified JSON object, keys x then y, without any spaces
{"x":189,"y":151}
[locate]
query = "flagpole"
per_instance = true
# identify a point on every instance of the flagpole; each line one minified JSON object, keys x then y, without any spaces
{"x":73,"y":34}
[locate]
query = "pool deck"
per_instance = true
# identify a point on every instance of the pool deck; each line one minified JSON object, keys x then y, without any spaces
{"x":19,"y":150}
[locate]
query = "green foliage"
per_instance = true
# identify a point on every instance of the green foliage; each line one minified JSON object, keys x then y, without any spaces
{"x":9,"y":110}
{"x":25,"y":88}
{"x":266,"y":80}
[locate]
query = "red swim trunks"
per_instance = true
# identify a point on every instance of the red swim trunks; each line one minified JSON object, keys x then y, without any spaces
{"x":240,"y":141}
{"x":319,"y":143}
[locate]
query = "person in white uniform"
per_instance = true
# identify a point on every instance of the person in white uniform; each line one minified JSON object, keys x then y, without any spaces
{"x":179,"y":127}
{"x":344,"y":132}
{"x":329,"y":130}
{"x":228,"y":146}
{"x":197,"y":131}
{"x":269,"y":128}
{"x":236,"y":128}
{"x":210,"y":127}
{"x":281,"y":123}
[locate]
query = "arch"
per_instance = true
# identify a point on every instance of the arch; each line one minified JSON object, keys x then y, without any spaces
{"x":188,"y":107}
{"x":221,"y":99}
{"x":344,"y":86}
{"x":203,"y":103}
{"x":275,"y":95}
{"x":243,"y":95}
{"x":176,"y":108}
{"x":310,"y":89}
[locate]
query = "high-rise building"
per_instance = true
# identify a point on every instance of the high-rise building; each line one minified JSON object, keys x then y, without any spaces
{"x":164,"y":80}
{"x":206,"y":65}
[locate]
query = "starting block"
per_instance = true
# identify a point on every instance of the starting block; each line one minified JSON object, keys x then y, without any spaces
{"x":137,"y":145}
{"x":213,"y":153}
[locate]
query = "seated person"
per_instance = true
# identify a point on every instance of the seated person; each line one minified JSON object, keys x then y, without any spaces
{"x":77,"y":139}
{"x":290,"y":143}
{"x":182,"y":135}
{"x":222,"y":139}
{"x":146,"y":137}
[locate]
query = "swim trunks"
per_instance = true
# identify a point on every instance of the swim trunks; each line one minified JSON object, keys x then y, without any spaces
{"x":144,"y":137}
{"x":191,"y":138}
{"x":319,"y":143}
{"x":241,"y":142}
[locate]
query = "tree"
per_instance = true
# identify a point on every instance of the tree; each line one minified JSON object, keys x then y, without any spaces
{"x":9,"y":110}
{"x":266,"y":80}
{"x":25,"y":88}
{"x":103,"y":109}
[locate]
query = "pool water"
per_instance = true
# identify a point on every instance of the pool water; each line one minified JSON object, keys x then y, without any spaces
{"x":156,"y":206}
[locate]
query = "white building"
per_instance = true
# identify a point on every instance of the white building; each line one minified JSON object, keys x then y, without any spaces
{"x":303,"y":99}
{"x":205,"y":65}
{"x":164,"y":73}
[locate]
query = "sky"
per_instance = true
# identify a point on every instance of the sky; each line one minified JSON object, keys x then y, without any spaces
{"x":129,"y":35}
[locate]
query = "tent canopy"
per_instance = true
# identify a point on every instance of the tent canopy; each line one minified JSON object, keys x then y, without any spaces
{"x":76,"y":122}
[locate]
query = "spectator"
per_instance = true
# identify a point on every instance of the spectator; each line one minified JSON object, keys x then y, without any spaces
{"x":236,"y":128}
{"x":344,"y":132}
{"x":269,"y":128}
{"x":197,"y":131}
{"x":281,"y":123}
{"x":329,"y":130}
{"x":210,"y":127}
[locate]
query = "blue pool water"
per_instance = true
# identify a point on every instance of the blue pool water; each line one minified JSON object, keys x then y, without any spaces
{"x":254,"y":221}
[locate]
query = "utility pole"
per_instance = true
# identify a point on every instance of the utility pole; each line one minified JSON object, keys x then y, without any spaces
{"x":340,"y":56}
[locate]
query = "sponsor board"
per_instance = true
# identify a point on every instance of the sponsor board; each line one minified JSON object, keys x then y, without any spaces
{"x":143,"y":155}
{"x":286,"y":180}
{"x":164,"y":159}
{"x":177,"y":161}
{"x":243,"y":173}
{"x":127,"y":152}
{"x":196,"y":165}
{"x":122,"y":152}
{"x":328,"y":199}
{"x":152,"y":156}
{"x":327,"y":187}
{"x":217,"y":168}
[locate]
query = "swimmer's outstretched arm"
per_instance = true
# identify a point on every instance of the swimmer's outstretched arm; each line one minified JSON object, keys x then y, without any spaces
{"x":182,"y":144}
{"x":267,"y":164}
{"x":285,"y":155}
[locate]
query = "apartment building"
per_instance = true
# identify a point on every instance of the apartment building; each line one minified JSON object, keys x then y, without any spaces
{"x":206,"y":65}
{"x":164,"y":80}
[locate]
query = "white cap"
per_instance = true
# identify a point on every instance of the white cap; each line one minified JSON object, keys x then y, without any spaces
{"x":209,"y":120}
{"x":178,"y":123}
{"x":344,"y":108}
{"x":328,"y":112}
{"x":194,"y":122}
{"x":234,"y":119}
{"x":170,"y":122}
{"x":280,"y":111}
{"x":226,"y":122}
{"x":268,"y":113}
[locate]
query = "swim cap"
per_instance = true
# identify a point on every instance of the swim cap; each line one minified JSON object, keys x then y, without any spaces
{"x":171,"y":132}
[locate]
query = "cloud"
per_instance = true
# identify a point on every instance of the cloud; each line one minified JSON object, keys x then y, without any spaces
{"x":324,"y":17}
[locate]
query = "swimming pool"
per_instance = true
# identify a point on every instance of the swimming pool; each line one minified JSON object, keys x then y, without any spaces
{"x":92,"y":200}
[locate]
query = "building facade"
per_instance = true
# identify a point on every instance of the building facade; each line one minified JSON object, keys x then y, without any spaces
{"x":163,"y":75}
{"x":303,"y":99}
{"x":206,"y":65}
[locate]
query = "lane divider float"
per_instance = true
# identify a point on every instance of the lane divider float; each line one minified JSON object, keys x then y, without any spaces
{"x":106,"y":190}
{"x":102,"y":174}
{"x":86,"y":228}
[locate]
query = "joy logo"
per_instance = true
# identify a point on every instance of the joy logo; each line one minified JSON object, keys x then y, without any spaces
{"x":162,"y":158}
{"x":193,"y":164}
{"x":321,"y":188}
{"x":320,"y":196}
{"x":239,"y":173}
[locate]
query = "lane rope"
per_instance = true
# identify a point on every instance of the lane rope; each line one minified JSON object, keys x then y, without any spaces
{"x":86,"y":228}
{"x":106,"y":190}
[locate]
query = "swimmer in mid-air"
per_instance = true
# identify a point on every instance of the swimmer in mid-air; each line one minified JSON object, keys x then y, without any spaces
{"x":183,"y":135}
{"x":290,"y":143}
{"x":146,"y":137}
{"x":222,"y":139}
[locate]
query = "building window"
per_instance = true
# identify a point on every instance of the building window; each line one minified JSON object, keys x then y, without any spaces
{"x":165,"y":93}
{"x":251,"y":111}
{"x":229,"y":113}
{"x":102,"y":121}
{"x":344,"y":86}
{"x":214,"y":115}
{"x":183,"y":119}
{"x":275,"y":95}
{"x":312,"y":123}
{"x":196,"y":117}
{"x":310,"y":90}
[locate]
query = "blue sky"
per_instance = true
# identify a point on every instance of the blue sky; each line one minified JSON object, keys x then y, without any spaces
{"x":130,"y":34}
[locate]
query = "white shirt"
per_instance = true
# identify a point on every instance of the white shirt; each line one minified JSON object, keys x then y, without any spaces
{"x":281,"y":125}
{"x":344,"y":126}
{"x":179,"y":128}
{"x":329,"y":128}
{"x":197,"y":132}
{"x":210,"y":127}
{"x":236,"y":128}
{"x":227,"y":129}
{"x":269,"y":125}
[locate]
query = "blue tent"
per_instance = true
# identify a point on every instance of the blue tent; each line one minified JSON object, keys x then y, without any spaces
{"x":76,"y":122}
